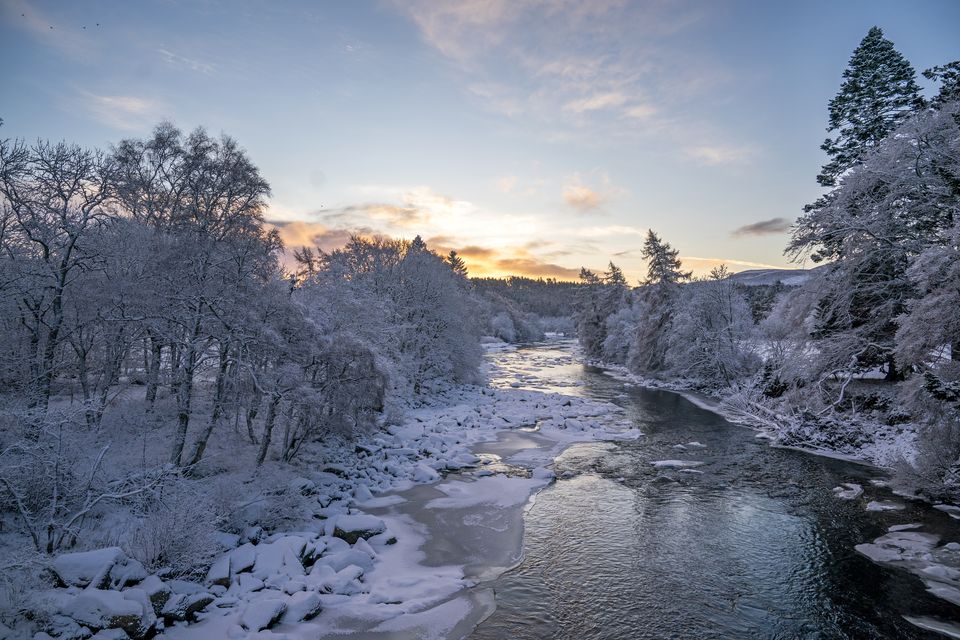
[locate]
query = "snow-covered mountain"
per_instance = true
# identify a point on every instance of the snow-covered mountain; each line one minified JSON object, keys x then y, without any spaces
{"x":755,"y":277}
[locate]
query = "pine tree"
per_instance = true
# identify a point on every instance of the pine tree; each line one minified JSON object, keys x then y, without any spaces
{"x":948,"y":75}
{"x":878,"y":92}
{"x":664,"y":266}
{"x":457,"y":264}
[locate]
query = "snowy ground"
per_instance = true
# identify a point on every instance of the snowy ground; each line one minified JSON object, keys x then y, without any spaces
{"x":407,"y":525}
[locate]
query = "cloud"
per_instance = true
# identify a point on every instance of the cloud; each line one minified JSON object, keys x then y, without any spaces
{"x":640,"y":111}
{"x":177,"y":60}
{"x":718,"y":155}
{"x":586,"y":198}
{"x":122,"y":112}
{"x":534,"y":268}
{"x":601,"y":71}
{"x":769,"y":227}
{"x":582,"y":198}
{"x":507,"y":184}
{"x":297,"y":233}
{"x":596,"y":102}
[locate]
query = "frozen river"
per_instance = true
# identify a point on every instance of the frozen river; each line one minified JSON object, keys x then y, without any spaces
{"x":752,"y":543}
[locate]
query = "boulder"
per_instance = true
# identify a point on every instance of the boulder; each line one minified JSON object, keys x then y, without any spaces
{"x":158,"y":592}
{"x":219,"y":572}
{"x":262,"y":614}
{"x":99,"y":609}
{"x":86,"y":568}
{"x":184,"y":606}
{"x":282,"y":556}
{"x":127,"y":572}
{"x":303,"y":605}
{"x":352,"y":528}
{"x":242,"y":558}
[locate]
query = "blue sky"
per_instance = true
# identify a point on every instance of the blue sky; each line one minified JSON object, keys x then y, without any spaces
{"x":534,"y":135}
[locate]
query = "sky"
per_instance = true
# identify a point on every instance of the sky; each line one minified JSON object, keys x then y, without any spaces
{"x":533,"y":136}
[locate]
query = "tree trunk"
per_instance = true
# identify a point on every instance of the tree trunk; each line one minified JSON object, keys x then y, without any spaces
{"x":268,"y":428}
{"x":153,"y":372}
{"x":252,"y":411}
{"x":893,"y":374}
{"x":184,"y":400}
{"x":82,"y":374}
{"x":201,"y":444}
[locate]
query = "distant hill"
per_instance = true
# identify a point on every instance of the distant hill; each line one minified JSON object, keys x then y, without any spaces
{"x":756,"y":277}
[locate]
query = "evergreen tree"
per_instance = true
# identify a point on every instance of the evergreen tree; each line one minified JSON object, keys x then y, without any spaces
{"x":655,"y":304}
{"x":948,"y":75}
{"x":457,"y":264}
{"x":664,"y":266}
{"x":878,"y":92}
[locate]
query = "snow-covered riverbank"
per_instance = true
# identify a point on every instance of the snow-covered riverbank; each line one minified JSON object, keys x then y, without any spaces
{"x":856,"y":439}
{"x":404,"y":525}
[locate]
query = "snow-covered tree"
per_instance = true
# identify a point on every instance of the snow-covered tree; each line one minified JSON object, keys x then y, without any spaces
{"x":656,"y":301}
{"x":712,"y":328}
{"x":598,"y":297}
{"x":885,"y":212}
{"x":879,"y":91}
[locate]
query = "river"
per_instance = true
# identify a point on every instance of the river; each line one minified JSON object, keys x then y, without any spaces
{"x":752,"y":543}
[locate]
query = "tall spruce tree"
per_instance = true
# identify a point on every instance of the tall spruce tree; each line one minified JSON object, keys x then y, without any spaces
{"x":879,"y":91}
{"x":663,"y":265}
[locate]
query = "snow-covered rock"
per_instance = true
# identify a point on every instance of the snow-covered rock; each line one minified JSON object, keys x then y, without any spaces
{"x":103,"y":609}
{"x":848,"y":491}
{"x":84,"y":568}
{"x":353,"y":527}
{"x":184,"y":606}
{"x":262,"y":614}
{"x":301,"y":606}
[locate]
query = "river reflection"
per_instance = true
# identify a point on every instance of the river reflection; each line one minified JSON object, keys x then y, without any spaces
{"x":752,"y":543}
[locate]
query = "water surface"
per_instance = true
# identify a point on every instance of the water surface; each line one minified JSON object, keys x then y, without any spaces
{"x":755,"y":546}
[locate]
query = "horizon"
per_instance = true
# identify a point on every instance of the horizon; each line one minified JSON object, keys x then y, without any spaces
{"x":533,"y":138}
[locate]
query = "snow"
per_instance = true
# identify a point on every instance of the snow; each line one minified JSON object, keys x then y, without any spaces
{"x":499,"y":490}
{"x":675,"y":464}
{"x":848,"y":491}
{"x":883,"y":505}
{"x":951,"y":510}
{"x":943,"y":627}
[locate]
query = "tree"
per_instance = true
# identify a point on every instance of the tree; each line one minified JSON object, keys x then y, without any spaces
{"x":884,"y":214}
{"x":598,"y":297}
{"x":57,"y":196}
{"x":948,"y":75}
{"x":457,"y":264}
{"x":663,"y":263}
{"x":711,"y":331}
{"x":879,"y":91}
{"x":656,"y":300}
